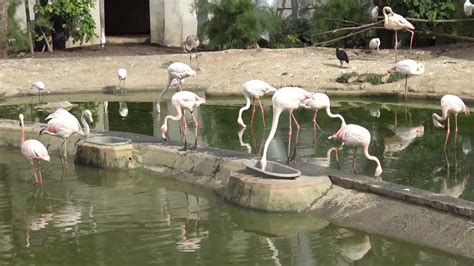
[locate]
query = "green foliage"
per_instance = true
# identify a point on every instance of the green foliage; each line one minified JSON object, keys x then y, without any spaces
{"x":290,"y":29}
{"x":236,"y":23}
{"x":17,"y":40}
{"x":72,"y":15}
{"x":372,"y":78}
{"x":355,"y":10}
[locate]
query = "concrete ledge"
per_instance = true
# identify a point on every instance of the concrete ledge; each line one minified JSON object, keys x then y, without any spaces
{"x":275,"y":194}
{"x":407,"y":194}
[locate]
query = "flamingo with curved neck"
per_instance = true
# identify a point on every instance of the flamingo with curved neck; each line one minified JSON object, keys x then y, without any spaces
{"x":254,"y":89}
{"x":395,"y":22}
{"x":356,"y":136}
{"x":449,"y":104}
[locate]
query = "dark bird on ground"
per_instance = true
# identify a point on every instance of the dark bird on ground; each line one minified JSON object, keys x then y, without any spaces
{"x":342,"y":56}
{"x":305,"y":39}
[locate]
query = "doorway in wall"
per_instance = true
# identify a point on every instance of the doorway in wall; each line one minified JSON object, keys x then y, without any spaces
{"x":127,"y":21}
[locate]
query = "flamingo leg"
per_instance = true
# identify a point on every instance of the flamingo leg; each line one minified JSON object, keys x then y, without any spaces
{"x":296,"y":122}
{"x":253,"y":113}
{"x":337,"y":157}
{"x":263,"y":112}
{"x":39,"y":172}
{"x":196,"y":126}
{"x":196,"y":53}
{"x":353,"y":160}
{"x":396,"y":48}
{"x":292,"y":159}
{"x":456,"y":130}
{"x":315,"y":124}
{"x":411,"y":39}
{"x":406,"y":87}
{"x":447,"y":134}
{"x":190,"y":56}
{"x":289,"y":136}
{"x":33,"y":169}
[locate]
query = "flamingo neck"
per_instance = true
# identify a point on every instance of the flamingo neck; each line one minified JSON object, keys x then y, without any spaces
{"x":85,"y":126}
{"x":372,"y":158}
{"x":174,"y":118}
{"x":246,"y":107}
{"x":276,"y":116}
{"x":328,"y":111}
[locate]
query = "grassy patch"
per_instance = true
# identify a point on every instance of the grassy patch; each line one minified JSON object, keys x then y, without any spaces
{"x":372,"y":78}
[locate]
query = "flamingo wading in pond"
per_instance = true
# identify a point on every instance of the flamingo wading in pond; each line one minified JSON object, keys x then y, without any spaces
{"x":254,"y":89}
{"x":63,"y":124}
{"x":40,"y":87}
{"x":177,"y":72}
{"x":356,"y":136}
{"x":449,"y":104}
{"x":191,"y":42}
{"x":33,"y":151}
{"x":395,"y":22}
{"x":284,"y":99}
{"x":407,"y":67}
{"x":183,"y":100}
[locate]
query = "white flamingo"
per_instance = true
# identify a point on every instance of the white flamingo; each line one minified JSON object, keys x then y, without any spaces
{"x":374,"y":14}
{"x":177,"y":72}
{"x":183,"y":100}
{"x":395,"y":22}
{"x":321,"y":101}
{"x":407,"y":67}
{"x":63,"y":124}
{"x":254,"y":89}
{"x":284,"y":99}
{"x":40,"y":87}
{"x":122,"y":75}
{"x":450,"y":104}
{"x":468,"y":8}
{"x":356,"y":136}
{"x":374,"y":44}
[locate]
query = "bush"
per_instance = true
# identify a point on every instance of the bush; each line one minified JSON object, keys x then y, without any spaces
{"x":72,"y":16}
{"x":236,"y":23}
{"x":291,"y":32}
{"x":17,"y":40}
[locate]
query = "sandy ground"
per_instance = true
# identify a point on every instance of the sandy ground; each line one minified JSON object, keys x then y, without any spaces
{"x":449,"y":69}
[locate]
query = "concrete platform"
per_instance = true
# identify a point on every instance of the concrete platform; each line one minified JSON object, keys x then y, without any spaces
{"x":267,"y":194}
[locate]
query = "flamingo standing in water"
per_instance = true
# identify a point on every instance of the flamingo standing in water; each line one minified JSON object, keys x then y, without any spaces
{"x":63,"y":124}
{"x":450,"y":104}
{"x":395,"y":22}
{"x":177,"y":72}
{"x":285,"y":99}
{"x":33,"y":151}
{"x":407,"y":67}
{"x":183,"y":100}
{"x":192,"y":42}
{"x":254,"y":89}
{"x":356,"y":136}
{"x":40,"y":87}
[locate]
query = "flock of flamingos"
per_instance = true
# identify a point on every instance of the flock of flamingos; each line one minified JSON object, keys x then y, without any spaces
{"x":63,"y":124}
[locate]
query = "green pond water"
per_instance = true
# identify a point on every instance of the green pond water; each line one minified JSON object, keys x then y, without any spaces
{"x":137,"y":217}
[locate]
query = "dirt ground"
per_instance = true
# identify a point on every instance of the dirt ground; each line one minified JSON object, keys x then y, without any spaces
{"x":449,"y":69}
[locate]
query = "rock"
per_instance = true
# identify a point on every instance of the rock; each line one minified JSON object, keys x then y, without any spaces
{"x":385,"y":78}
{"x":353,"y":79}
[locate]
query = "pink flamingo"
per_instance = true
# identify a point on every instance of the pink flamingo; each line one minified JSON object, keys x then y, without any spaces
{"x":63,"y":124}
{"x":407,"y":67}
{"x":254,"y":89}
{"x":33,"y":151}
{"x":356,"y":136}
{"x":321,"y":101}
{"x":450,"y":104}
{"x":395,"y":22}
{"x":183,"y":100}
{"x":285,"y":99}
{"x":177,"y":72}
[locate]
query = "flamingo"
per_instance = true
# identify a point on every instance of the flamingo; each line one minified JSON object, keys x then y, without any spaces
{"x":395,"y":22}
{"x":449,"y":104}
{"x":63,"y":124}
{"x":33,"y":151}
{"x":468,"y":8}
{"x":183,"y":100}
{"x":122,"y":75}
{"x":254,"y":89}
{"x":177,"y":72}
{"x":356,"y":136}
{"x":342,"y":56}
{"x":408,"y":67}
{"x":374,"y":44}
{"x":321,"y":101}
{"x":192,"y":42}
{"x":284,"y":99}
{"x":40,"y":87}
{"x":374,"y":14}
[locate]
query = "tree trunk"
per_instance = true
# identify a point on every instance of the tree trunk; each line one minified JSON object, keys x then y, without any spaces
{"x":3,"y":27}
{"x":28,"y":27}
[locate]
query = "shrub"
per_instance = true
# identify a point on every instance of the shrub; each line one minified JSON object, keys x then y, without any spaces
{"x":236,"y":23}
